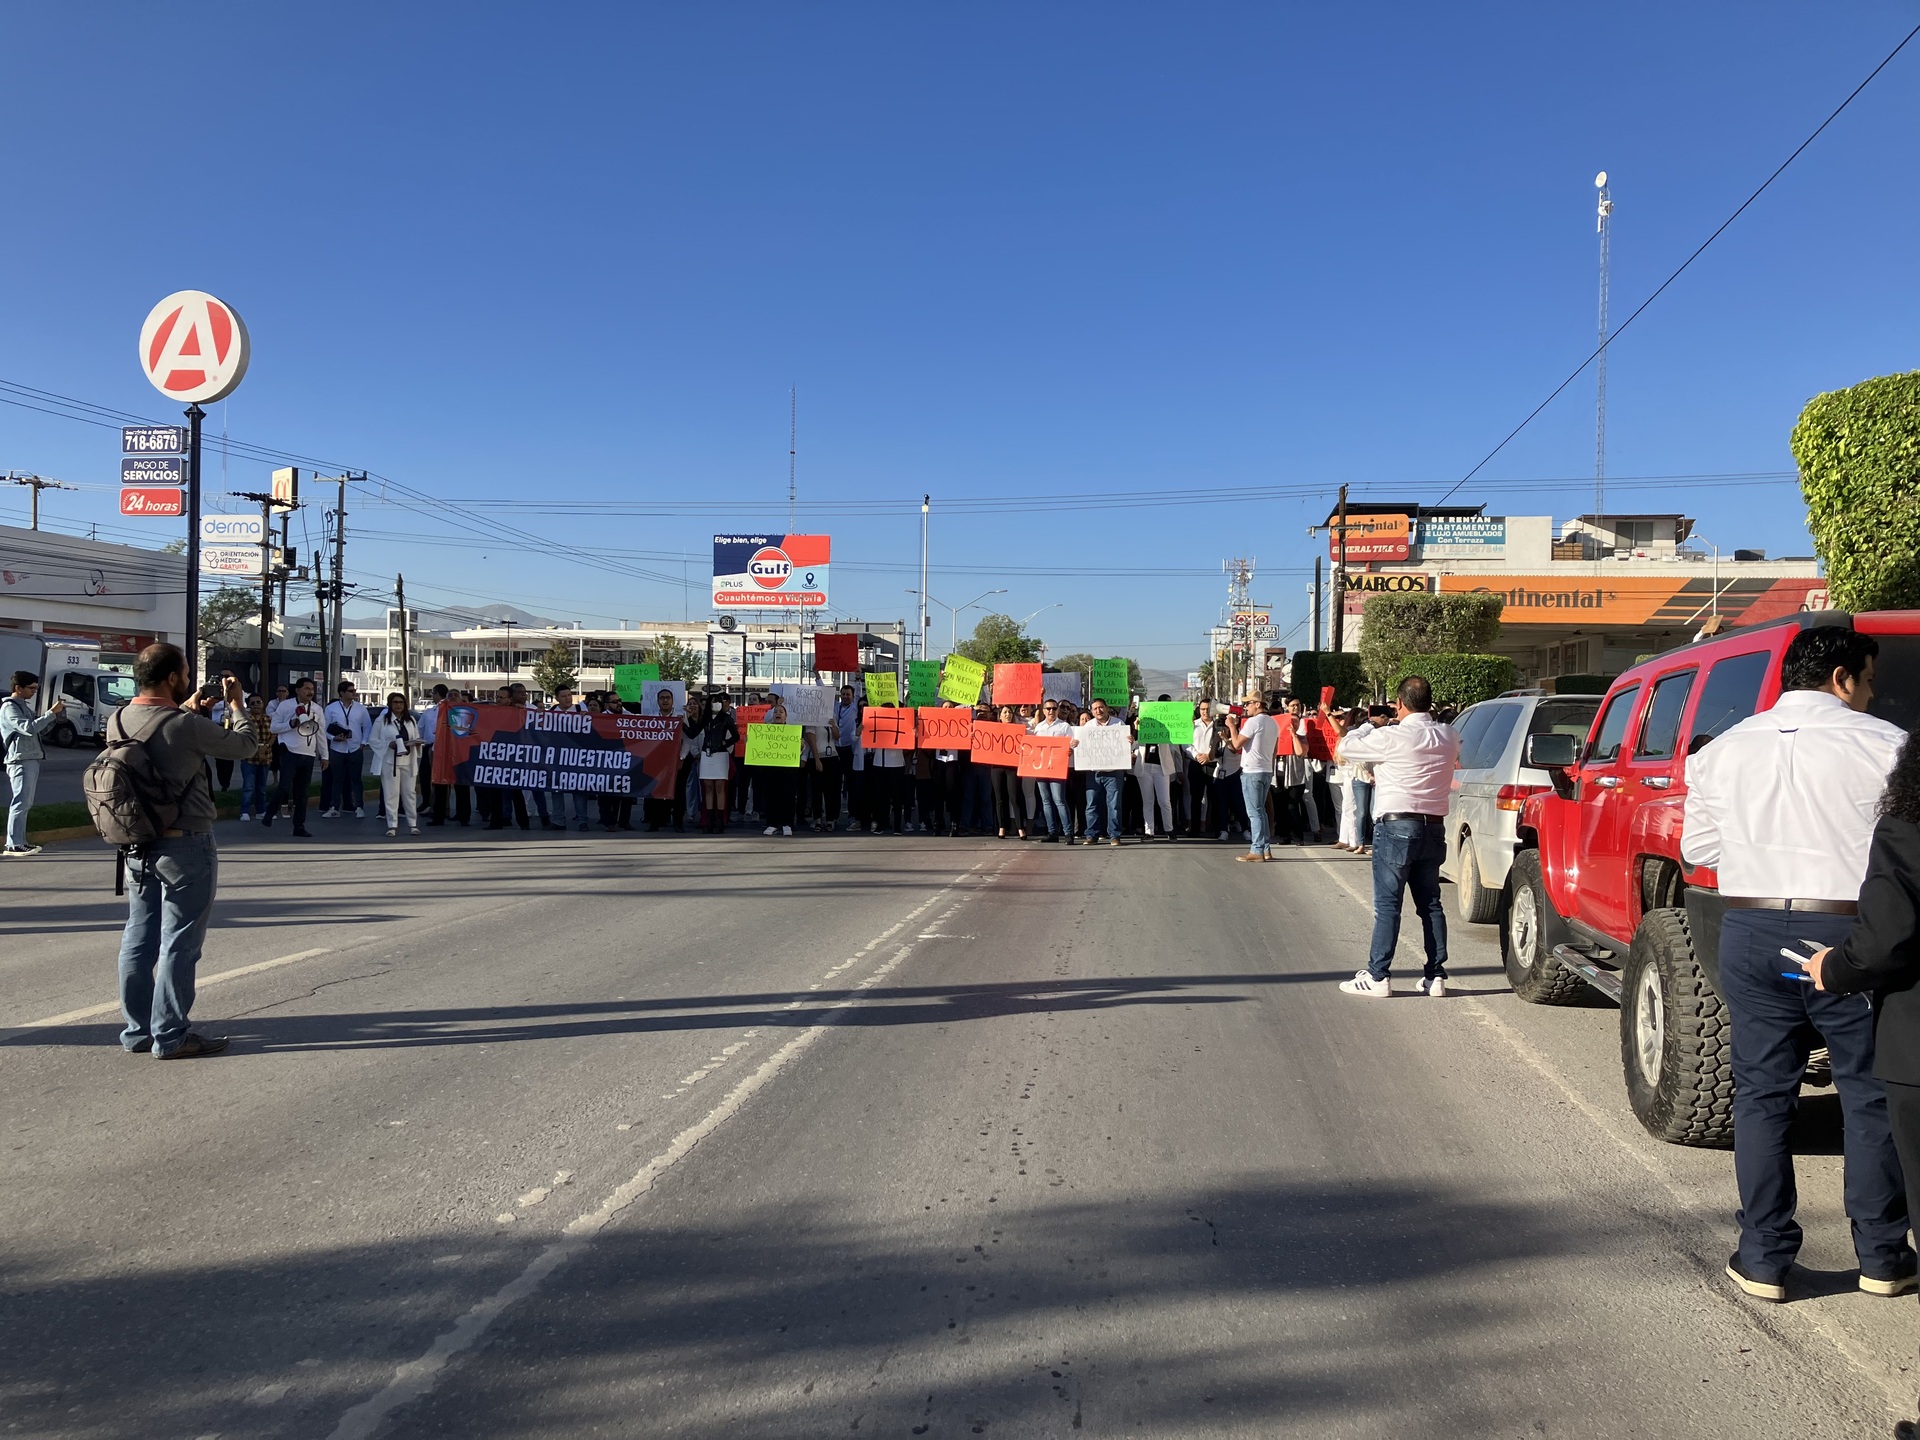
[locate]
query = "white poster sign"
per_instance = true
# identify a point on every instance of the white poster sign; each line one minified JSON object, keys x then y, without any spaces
{"x":807,"y":704}
{"x":1102,"y":747}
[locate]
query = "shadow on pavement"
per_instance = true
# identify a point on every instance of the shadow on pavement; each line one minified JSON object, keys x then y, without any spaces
{"x":1243,"y":1308}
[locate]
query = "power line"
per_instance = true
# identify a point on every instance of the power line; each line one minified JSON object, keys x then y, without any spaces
{"x":1621,"y":328}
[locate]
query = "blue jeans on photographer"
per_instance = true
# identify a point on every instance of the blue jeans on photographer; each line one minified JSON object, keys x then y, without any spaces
{"x":170,"y":886}
{"x":1406,"y":856}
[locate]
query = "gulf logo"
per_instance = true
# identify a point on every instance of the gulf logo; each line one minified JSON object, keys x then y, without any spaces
{"x":194,"y":347}
{"x":770,"y":567}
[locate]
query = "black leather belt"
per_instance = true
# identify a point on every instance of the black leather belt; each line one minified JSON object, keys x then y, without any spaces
{"x":1412,"y":815}
{"x":1811,"y":907}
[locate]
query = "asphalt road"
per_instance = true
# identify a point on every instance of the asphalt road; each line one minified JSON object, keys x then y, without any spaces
{"x":569,"y":1136}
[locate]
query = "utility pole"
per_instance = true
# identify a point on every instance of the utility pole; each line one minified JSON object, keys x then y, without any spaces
{"x":335,"y":589}
{"x":36,"y":484}
{"x":265,"y":500}
{"x":926,"y":502}
{"x":1313,"y":627}
{"x":1340,"y":575}
{"x":1604,"y":224}
{"x":400,"y":595}
{"x":793,"y":449}
{"x":194,"y":416}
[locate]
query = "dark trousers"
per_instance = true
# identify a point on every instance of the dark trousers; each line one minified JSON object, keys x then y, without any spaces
{"x":1323,"y":805}
{"x":1009,"y":804}
{"x":1776,"y":1022}
{"x":842,"y":765}
{"x":826,"y":791}
{"x":889,"y":797}
{"x":1200,"y":811}
{"x":1903,"y":1113}
{"x":463,"y":803}
{"x":951,"y":779}
{"x":773,"y":786}
{"x":1228,"y":810}
{"x":1290,"y":813}
{"x":1407,"y":856}
{"x":296,"y":775}
{"x":342,"y":784}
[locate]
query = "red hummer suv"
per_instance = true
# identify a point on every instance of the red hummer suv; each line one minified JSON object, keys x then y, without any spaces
{"x":1599,"y":895}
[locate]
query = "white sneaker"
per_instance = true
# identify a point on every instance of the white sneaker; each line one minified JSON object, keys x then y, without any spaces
{"x":392,"y":833}
{"x":244,"y":817}
{"x":1223,"y":835}
{"x":359,"y":813}
{"x":784,"y":830}
{"x":415,"y":830}
{"x":1436,"y":987}
{"x":18,"y":852}
{"x":767,"y":831}
{"x":329,"y":814}
{"x":1364,"y":984}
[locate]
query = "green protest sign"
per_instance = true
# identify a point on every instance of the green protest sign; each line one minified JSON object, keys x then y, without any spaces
{"x":774,"y":745}
{"x":1166,"y":722}
{"x":1110,"y":682}
{"x":962,"y":681}
{"x":923,"y":682}
{"x":883,"y":689}
{"x":627,"y":680}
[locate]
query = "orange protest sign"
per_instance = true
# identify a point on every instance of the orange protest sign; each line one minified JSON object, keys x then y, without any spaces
{"x":1046,"y":757}
{"x":743,"y":716}
{"x":1017,"y":685}
{"x":945,"y":727}
{"x":886,"y":727}
{"x":997,"y":744}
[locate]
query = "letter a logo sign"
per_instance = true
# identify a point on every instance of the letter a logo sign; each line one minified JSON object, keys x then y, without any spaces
{"x":194,"y":347}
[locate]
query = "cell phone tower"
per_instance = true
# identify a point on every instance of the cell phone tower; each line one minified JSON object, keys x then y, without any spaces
{"x":1604,"y":224}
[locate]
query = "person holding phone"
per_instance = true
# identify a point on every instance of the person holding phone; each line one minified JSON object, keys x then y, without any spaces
{"x":1782,"y":805}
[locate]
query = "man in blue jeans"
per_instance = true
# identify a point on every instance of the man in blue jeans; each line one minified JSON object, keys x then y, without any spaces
{"x":1782,"y":806}
{"x":1256,"y":738}
{"x":20,"y":732}
{"x":1103,"y":786}
{"x":170,"y":882}
{"x":1413,"y":761}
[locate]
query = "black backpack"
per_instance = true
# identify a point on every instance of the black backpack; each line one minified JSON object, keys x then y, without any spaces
{"x":129,"y":801}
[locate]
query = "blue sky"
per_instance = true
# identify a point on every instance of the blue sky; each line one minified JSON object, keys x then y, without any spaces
{"x":579,"y":254}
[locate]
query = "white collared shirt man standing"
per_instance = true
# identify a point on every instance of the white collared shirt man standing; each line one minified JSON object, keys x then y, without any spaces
{"x":349,"y":724}
{"x":1413,"y":763}
{"x":1783,"y":807}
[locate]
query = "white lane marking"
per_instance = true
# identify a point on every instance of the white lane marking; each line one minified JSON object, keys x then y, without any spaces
{"x":112,"y":1007}
{"x":415,"y":1379}
{"x":1709,"y":1228}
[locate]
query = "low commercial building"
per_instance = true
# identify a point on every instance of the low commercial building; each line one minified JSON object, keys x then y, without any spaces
{"x":482,"y":658}
{"x":1587,"y":598}
{"x":121,"y":596}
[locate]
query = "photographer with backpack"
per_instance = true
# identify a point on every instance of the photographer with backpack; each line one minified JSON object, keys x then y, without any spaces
{"x":173,"y":867}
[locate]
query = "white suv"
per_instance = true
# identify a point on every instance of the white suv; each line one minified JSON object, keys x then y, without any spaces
{"x":1491,"y":786}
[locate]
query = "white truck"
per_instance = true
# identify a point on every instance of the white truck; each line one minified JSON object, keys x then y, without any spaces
{"x":69,"y":670}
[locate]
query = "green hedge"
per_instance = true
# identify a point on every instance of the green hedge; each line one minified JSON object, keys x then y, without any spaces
{"x":1459,"y":680}
{"x":1315,"y":669}
{"x":1858,"y":451}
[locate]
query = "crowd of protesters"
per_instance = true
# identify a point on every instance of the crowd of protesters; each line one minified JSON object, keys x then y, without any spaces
{"x":1262,"y":771}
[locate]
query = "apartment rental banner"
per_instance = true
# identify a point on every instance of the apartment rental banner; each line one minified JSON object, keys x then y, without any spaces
{"x":629,"y":756}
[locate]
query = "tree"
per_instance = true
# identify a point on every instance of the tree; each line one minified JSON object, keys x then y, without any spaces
{"x":1858,"y":451}
{"x":1401,"y":625}
{"x":223,"y":613}
{"x":176,"y":546}
{"x":679,"y":661}
{"x":1206,"y":677}
{"x":1083,"y":663}
{"x":556,"y":670}
{"x":999,"y":640}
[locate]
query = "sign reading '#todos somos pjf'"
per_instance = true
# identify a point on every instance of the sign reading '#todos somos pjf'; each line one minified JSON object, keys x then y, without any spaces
{"x":194,"y":347}
{"x":769,"y":571}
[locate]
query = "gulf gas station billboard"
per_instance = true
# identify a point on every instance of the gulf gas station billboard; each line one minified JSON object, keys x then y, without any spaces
{"x":773,"y":572}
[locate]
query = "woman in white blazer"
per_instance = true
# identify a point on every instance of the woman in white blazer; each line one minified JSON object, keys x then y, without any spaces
{"x":395,"y":743}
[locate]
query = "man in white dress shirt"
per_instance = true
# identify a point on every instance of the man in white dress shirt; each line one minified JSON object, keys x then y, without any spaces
{"x":1783,"y":805}
{"x":1413,"y":762}
{"x":348,"y":726}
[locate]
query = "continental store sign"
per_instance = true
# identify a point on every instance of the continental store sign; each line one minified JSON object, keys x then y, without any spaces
{"x":1652,"y":602}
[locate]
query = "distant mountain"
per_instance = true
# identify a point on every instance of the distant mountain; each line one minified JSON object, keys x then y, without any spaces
{"x":491,"y":613}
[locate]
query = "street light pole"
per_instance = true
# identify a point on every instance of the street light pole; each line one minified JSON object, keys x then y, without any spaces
{"x":925,"y":502}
